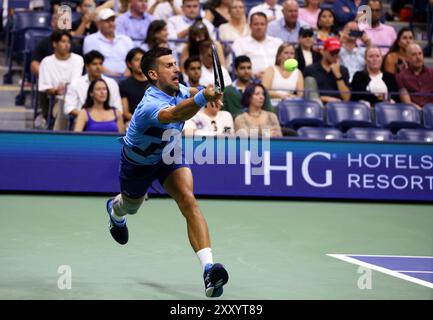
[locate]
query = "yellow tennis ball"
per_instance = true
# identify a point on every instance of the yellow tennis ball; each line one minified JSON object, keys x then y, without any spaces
{"x":290,"y":65}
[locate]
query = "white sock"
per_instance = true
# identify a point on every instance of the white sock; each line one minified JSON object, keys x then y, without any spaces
{"x":116,"y":217}
{"x":205,"y":256}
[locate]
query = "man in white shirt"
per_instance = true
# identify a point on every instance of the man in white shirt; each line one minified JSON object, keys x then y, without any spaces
{"x":207,"y":74}
{"x":57,"y":71}
{"x":77,"y":91}
{"x":178,"y":26}
{"x":270,"y":8}
{"x":260,"y":47}
{"x":114,"y":47}
{"x":210,"y":121}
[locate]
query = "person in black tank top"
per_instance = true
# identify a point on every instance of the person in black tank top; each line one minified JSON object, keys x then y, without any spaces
{"x":394,"y":61}
{"x":217,"y":12}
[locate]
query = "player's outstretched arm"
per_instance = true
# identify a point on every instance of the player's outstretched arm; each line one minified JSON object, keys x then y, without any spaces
{"x":187,"y":108}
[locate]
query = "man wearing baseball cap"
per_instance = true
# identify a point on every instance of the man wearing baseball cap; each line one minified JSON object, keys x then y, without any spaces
{"x":304,"y":52}
{"x":328,"y":75}
{"x":114,"y":47}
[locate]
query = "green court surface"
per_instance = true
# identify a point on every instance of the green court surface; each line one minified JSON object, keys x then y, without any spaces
{"x":272,"y":249}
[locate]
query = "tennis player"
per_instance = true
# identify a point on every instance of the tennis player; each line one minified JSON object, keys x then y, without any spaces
{"x":165,"y":107}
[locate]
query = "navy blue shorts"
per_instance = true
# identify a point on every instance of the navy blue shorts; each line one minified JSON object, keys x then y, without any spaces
{"x":135,"y":179}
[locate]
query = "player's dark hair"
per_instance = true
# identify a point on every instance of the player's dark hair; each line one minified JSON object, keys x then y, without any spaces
{"x":89,"y":100}
{"x":92,"y":55}
{"x":241,"y":59}
{"x":148,"y":62}
{"x":131,"y":54}
{"x":190,"y":60}
{"x":248,"y":93}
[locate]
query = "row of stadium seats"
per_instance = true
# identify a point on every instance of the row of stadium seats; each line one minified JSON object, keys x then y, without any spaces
{"x":366,"y":134}
{"x":345,"y":115}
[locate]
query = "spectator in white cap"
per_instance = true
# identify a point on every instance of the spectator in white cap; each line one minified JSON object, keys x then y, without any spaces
{"x":113,"y":46}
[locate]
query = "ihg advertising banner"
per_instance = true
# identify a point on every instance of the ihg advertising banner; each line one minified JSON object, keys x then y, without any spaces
{"x":226,"y":167}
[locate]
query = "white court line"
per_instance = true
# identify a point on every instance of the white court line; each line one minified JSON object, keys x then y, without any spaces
{"x":411,"y":271}
{"x":381,"y":269}
{"x":384,"y":255}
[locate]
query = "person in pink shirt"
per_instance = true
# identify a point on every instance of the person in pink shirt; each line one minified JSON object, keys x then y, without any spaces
{"x":379,"y":33}
{"x":310,"y":13}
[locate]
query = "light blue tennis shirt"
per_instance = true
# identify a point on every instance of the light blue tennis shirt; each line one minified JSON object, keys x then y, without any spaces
{"x":146,"y":139}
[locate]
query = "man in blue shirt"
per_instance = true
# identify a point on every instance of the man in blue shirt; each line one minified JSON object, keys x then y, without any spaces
{"x":153,"y":134}
{"x":287,"y":28}
{"x":347,"y":10}
{"x":135,"y":22}
{"x":113,"y":46}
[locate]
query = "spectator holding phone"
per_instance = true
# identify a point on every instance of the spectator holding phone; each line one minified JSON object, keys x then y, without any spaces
{"x":352,"y":54}
{"x":86,"y":24}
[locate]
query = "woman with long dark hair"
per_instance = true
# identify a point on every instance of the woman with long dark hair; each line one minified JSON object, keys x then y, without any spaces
{"x":96,"y":114}
{"x":326,"y":25}
{"x":256,"y":120}
{"x":395,"y":59}
{"x":157,"y":35}
{"x":197,"y":33}
{"x":217,"y":11}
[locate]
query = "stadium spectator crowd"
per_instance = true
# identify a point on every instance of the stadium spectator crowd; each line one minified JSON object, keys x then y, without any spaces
{"x":341,"y":58}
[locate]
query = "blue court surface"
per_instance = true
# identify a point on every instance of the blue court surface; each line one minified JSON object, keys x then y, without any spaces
{"x":416,"y":269}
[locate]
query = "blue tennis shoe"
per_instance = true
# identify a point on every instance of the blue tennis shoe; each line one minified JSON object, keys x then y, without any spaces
{"x":118,"y":230}
{"x":215,"y":276}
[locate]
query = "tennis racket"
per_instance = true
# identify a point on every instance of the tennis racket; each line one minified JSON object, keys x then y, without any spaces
{"x":217,"y":71}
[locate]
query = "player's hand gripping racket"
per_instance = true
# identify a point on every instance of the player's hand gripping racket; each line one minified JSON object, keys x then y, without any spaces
{"x":217,"y":71}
